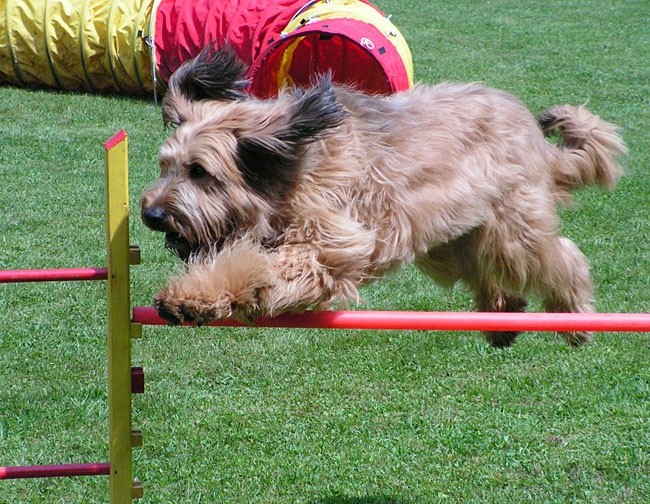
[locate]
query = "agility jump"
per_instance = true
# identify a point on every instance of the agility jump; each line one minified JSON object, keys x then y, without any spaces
{"x":124,"y":324}
{"x":122,"y":378}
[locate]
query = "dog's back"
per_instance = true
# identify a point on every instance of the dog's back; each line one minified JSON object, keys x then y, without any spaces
{"x":474,"y":142}
{"x":440,"y":157}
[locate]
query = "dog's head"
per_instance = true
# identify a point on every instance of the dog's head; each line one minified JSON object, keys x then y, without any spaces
{"x":232,"y":160}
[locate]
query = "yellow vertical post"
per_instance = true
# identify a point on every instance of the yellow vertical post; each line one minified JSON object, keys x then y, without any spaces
{"x":119,"y":320}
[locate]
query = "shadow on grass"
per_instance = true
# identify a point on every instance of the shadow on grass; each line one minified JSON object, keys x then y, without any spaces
{"x":342,"y":499}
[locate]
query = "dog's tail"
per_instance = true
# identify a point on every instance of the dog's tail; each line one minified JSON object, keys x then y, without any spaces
{"x":588,"y":146}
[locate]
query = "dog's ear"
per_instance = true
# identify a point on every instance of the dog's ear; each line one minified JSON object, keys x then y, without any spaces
{"x":312,"y":114}
{"x":269,"y":160}
{"x":215,"y":74}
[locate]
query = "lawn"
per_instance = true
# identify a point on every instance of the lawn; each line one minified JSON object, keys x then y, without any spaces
{"x":336,"y":417}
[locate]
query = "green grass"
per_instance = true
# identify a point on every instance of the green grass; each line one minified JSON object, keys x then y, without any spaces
{"x":336,"y":417}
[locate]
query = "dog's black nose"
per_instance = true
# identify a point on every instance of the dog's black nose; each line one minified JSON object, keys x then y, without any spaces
{"x":154,"y":217}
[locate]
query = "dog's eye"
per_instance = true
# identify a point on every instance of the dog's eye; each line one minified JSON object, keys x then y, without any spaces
{"x":197,"y":171}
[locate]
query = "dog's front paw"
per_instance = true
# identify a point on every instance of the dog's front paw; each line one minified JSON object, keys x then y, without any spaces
{"x":191,"y":310}
{"x":168,"y":311}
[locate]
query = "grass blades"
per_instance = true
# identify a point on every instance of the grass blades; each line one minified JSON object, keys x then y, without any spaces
{"x":336,"y":417}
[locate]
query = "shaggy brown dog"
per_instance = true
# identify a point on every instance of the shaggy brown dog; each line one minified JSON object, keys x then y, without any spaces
{"x":295,"y":202}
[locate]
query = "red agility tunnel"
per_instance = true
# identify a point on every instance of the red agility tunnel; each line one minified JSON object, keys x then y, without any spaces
{"x":287,"y":42}
{"x":133,"y":46}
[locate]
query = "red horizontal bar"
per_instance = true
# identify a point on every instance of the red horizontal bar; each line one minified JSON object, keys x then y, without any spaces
{"x":55,"y":471}
{"x":433,"y":321}
{"x":53,"y":275}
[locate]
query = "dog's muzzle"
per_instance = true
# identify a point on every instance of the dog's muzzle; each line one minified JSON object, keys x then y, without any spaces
{"x":156,"y":218}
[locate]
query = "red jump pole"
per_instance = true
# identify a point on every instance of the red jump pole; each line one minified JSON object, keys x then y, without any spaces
{"x":434,"y":321}
{"x":53,"y":275}
{"x":55,"y":471}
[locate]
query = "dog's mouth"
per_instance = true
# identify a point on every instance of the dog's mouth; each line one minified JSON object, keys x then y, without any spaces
{"x":185,"y":250}
{"x":178,"y":245}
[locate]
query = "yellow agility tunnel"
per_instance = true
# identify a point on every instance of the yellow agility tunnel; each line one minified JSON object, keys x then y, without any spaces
{"x":77,"y":44}
{"x":133,"y":46}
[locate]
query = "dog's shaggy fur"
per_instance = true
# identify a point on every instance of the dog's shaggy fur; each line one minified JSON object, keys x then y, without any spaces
{"x":295,"y":202}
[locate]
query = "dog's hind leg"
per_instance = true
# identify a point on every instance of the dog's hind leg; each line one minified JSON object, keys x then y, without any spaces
{"x":457,"y":261}
{"x":565,"y":285}
{"x":489,"y":297}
